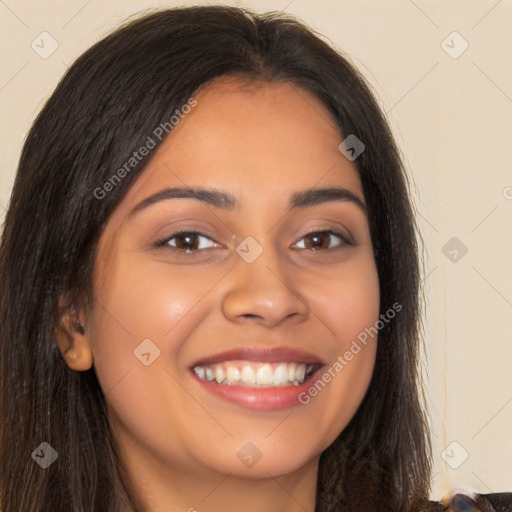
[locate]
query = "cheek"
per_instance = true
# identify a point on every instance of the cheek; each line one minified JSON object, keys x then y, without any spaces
{"x":151,"y":300}
{"x":351,"y":311}
{"x":165,"y":304}
{"x":173,"y":305}
{"x":347,"y":301}
{"x":348,"y":306}
{"x":162,"y":306}
{"x":146,"y":302}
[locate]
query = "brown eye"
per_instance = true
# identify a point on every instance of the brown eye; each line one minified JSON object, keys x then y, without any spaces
{"x":321,"y":240}
{"x":188,"y":241}
{"x":318,"y":241}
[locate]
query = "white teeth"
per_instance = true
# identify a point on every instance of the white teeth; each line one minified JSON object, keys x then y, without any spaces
{"x":219,"y":374}
{"x":291,"y":372}
{"x":200,"y":372}
{"x":246,"y":373}
{"x":265,"y":375}
{"x":281,"y":375}
{"x":232,"y":374}
{"x":300,"y":372}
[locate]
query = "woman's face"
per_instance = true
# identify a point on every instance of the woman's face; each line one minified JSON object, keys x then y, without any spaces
{"x":241,"y":294}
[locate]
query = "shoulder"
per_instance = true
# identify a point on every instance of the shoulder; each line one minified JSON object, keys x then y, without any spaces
{"x":495,"y":502}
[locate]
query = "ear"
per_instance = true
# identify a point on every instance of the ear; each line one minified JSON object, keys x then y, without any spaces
{"x":73,"y":341}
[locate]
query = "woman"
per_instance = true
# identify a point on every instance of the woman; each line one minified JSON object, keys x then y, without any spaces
{"x":210,"y":282}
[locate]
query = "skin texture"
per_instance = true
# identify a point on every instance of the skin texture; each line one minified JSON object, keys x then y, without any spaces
{"x":260,"y":142}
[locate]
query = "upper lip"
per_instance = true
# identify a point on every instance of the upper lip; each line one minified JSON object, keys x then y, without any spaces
{"x":263,"y":354}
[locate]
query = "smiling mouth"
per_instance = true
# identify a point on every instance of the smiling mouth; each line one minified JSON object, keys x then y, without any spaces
{"x":256,"y":374}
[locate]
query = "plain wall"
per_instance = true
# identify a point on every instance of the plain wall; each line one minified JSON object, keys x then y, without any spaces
{"x":451,"y":113}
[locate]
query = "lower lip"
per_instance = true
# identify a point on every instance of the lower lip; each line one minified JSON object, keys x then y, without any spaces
{"x":263,"y":399}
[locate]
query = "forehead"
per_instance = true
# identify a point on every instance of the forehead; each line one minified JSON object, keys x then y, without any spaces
{"x":259,"y":140}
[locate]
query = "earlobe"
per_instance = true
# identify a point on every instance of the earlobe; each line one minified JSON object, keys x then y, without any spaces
{"x":73,"y":343}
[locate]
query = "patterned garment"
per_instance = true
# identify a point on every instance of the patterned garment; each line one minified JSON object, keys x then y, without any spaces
{"x":497,"y":502}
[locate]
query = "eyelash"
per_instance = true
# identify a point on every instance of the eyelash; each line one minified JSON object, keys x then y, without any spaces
{"x":164,"y":242}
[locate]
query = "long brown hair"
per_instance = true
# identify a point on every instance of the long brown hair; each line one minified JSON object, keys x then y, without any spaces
{"x":104,"y":108}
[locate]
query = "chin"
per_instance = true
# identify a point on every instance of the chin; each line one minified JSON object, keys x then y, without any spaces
{"x":261,"y":459}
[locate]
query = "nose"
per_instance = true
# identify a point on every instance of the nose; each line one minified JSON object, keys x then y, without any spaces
{"x":261,"y":293}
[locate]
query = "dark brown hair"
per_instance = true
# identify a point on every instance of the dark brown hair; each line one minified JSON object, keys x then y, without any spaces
{"x":108,"y":103}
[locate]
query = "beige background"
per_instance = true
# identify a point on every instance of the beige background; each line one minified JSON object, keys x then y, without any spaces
{"x":452,"y":118}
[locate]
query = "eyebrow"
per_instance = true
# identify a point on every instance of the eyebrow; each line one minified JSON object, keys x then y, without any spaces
{"x":226,"y":201}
